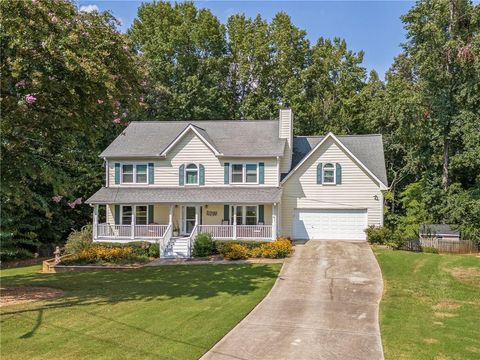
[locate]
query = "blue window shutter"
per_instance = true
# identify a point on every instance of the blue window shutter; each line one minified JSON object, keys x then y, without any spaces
{"x":150,"y":214}
{"x":226,"y":213}
{"x":338,"y":173}
{"x":226,"y":173}
{"x":261,"y":213}
{"x":319,"y":173}
{"x":261,"y":173}
{"x":181,"y":175}
{"x":117,"y":214}
{"x":117,"y":173}
{"x":201,"y":178}
{"x":151,"y":173}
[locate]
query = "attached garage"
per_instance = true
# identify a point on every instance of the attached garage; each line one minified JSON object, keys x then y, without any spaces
{"x":330,"y":224}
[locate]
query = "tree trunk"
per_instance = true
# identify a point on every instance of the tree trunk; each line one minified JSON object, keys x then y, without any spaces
{"x":446,"y":147}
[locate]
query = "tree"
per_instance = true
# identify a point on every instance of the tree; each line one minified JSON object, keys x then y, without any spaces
{"x":68,"y":83}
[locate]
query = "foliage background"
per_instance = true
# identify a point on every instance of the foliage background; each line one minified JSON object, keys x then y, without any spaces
{"x":70,"y":82}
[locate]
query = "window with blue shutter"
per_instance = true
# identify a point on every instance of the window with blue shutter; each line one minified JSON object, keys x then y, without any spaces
{"x":201,"y":177}
{"x":117,"y":173}
{"x":151,"y":213}
{"x":338,"y":173}
{"x":181,"y":175}
{"x":319,"y":173}
{"x":226,"y":213}
{"x":226,"y":173}
{"x":261,"y":173}
{"x":261,"y":214}
{"x":151,"y":173}
{"x":117,"y":214}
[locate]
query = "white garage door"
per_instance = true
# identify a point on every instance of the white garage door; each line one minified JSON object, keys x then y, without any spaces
{"x":341,"y":224}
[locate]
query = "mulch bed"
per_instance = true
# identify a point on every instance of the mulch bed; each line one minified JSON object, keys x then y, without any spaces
{"x":26,"y":294}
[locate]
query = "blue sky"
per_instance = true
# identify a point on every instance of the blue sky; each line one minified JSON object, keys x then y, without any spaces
{"x":372,"y":26}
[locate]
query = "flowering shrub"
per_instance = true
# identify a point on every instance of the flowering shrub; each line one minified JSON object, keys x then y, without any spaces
{"x":97,"y":254}
{"x":278,"y":249}
{"x":235,"y":252}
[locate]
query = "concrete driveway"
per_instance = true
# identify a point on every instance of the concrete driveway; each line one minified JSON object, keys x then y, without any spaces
{"x":324,"y":305}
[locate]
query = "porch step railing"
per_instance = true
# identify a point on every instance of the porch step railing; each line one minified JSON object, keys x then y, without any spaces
{"x":112,"y":231}
{"x":245,"y":232}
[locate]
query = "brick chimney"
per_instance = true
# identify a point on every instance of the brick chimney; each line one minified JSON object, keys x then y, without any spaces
{"x":285,"y":131}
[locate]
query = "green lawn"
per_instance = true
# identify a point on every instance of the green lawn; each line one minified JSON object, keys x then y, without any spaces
{"x":168,"y":312}
{"x":431,"y":305}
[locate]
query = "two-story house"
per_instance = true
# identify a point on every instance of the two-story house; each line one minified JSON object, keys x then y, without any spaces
{"x":167,"y":181}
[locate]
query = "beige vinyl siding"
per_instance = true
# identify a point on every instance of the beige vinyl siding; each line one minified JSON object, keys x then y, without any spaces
{"x":191,"y":149}
{"x":357,"y":190}
{"x":286,"y":132}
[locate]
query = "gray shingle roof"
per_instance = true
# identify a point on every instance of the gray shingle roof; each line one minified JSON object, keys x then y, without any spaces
{"x":437,"y":229}
{"x":186,"y":195}
{"x":230,"y":137}
{"x":367,"y":148}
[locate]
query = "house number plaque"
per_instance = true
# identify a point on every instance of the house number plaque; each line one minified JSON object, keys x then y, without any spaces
{"x":212,"y":213}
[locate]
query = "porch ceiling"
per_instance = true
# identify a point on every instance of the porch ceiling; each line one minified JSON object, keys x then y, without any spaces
{"x":186,"y":195}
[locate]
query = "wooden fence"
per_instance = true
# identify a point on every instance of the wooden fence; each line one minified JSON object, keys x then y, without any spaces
{"x":443,"y":246}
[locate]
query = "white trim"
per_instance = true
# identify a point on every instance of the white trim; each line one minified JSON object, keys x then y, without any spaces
{"x":182,"y":134}
{"x":185,"y":174}
{"x":244,"y":173}
{"x":344,"y":148}
{"x":134,"y":164}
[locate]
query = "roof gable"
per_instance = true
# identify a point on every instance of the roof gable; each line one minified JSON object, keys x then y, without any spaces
{"x":201,"y":133}
{"x":366,"y":153}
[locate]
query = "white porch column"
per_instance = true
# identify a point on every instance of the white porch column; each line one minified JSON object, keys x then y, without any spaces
{"x":234,"y":222}
{"x":95,"y":222}
{"x":133,"y":222}
{"x":170,"y":215}
{"x":197,"y":209}
{"x":274,"y":221}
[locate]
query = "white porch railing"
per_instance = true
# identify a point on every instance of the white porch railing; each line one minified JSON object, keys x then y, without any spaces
{"x":191,"y":239}
{"x":111,"y":231}
{"x":245,"y":232}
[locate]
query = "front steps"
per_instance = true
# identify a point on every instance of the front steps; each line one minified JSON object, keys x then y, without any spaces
{"x":177,"y":248}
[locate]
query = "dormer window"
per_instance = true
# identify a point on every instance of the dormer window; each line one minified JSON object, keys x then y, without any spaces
{"x":191,"y":174}
{"x":329,"y":173}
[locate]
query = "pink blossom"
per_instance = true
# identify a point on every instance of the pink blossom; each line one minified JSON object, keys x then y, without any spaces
{"x":74,"y":203}
{"x":21,"y":83}
{"x":117,"y":104}
{"x":78,"y":201}
{"x":34,"y":2}
{"x":100,"y":101}
{"x":30,"y":99}
{"x":116,"y":121}
{"x":142,"y":98}
{"x":57,"y":198}
{"x":125,"y":114}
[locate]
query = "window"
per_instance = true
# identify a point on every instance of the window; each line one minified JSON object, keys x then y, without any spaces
{"x":251,"y":173}
{"x":134,"y":174}
{"x":191,"y":174}
{"x":141,"y":174}
{"x":141,"y":215}
{"x":328,"y":174}
{"x":251,"y":215}
{"x":237,"y":173}
{"x":126,"y":214}
{"x":127,"y":174}
{"x":244,"y":173}
{"x":239,"y":215}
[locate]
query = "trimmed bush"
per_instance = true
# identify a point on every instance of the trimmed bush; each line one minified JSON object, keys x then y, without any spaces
{"x":249,"y":244}
{"x":154,"y":250}
{"x":279,"y":249}
{"x":79,"y":240}
{"x":102,"y":255}
{"x":235,"y":252}
{"x":378,"y":234}
{"x":203,"y":245}
{"x":140,"y":248}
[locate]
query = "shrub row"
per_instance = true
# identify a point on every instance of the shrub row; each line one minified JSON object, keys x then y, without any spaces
{"x":102,"y":255}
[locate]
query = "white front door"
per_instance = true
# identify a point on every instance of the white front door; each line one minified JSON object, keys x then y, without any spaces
{"x":320,"y":224}
{"x":189,"y":218}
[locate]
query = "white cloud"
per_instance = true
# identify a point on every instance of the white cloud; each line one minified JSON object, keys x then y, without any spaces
{"x":89,"y":8}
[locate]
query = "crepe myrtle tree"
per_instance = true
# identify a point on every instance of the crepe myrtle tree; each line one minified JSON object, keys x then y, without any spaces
{"x":69,"y":84}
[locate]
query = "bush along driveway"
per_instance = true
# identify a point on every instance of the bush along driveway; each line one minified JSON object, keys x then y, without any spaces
{"x":431,"y":305}
{"x":323,"y":306}
{"x":173,"y":312}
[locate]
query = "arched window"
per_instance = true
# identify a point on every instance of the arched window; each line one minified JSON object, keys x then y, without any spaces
{"x":328,"y":173}
{"x":191,"y":174}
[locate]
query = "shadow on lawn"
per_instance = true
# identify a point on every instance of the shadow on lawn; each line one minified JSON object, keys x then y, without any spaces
{"x":146,"y":284}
